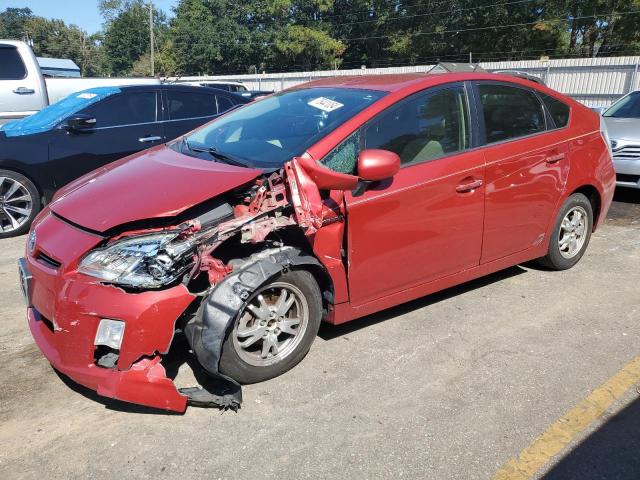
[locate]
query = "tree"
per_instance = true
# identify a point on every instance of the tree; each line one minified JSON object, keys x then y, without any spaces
{"x":308,"y":48}
{"x":12,"y":22}
{"x":126,"y":37}
{"x":596,"y":29}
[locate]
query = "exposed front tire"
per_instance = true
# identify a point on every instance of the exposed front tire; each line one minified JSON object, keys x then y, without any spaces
{"x":571,"y":234}
{"x":275,"y":329}
{"x":19,"y":203}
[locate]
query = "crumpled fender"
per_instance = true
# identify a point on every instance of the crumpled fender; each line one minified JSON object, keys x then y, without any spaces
{"x":208,"y":329}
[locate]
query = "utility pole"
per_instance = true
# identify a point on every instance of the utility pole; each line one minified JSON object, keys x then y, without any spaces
{"x":470,"y":57}
{"x":153,"y":66}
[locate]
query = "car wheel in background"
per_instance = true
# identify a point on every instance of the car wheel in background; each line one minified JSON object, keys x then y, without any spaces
{"x":274,"y":330}
{"x":19,"y":203}
{"x":571,"y":233}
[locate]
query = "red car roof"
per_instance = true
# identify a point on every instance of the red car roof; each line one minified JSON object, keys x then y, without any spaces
{"x":397,"y":82}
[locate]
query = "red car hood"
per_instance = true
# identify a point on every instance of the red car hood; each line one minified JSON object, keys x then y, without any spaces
{"x":155,"y":183}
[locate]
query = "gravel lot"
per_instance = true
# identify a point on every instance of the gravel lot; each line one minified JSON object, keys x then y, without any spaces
{"x":446,"y":387}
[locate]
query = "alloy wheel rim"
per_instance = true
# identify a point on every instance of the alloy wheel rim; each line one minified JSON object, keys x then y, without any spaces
{"x":16,"y":204}
{"x":573,"y":232}
{"x":271,"y":325}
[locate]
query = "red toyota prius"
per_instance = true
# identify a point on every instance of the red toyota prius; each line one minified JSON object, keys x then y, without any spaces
{"x":326,"y":202}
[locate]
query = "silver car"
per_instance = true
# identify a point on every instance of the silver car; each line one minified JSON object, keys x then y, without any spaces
{"x":623,"y":124}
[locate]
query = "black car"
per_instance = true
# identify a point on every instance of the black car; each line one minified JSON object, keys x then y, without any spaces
{"x":235,"y":87}
{"x":88,"y":129}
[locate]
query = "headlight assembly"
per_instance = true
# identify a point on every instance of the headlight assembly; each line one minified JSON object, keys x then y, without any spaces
{"x":145,"y":261}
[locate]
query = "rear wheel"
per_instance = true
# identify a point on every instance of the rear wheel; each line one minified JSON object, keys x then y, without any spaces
{"x":571,"y":233}
{"x":275,"y":328}
{"x":19,"y":203}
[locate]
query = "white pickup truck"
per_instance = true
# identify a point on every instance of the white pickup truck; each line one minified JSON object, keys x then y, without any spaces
{"x":24,"y":90}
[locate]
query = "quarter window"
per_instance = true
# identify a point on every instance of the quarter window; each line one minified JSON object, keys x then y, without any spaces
{"x":423,"y":128}
{"x":191,"y":105}
{"x":510,"y":112}
{"x":224,"y":104}
{"x":344,"y":158}
{"x":11,"y":66}
{"x":558,"y":110}
{"x":124,"y":109}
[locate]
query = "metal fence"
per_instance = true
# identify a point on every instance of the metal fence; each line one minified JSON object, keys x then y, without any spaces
{"x":592,"y":81}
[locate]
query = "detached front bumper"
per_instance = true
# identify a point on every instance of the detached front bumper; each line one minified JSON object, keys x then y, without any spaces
{"x":65,"y":309}
{"x":145,"y":383}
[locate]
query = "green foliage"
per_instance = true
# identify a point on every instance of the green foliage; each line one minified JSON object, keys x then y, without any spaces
{"x":308,"y":48}
{"x":54,"y":38}
{"x":241,"y":36}
{"x":126,"y":36}
{"x":12,"y":22}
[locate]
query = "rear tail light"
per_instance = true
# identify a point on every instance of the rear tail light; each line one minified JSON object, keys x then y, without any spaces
{"x":605,"y":135}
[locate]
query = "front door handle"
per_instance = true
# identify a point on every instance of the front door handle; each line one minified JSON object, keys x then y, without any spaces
{"x":149,"y":139}
{"x":24,"y":91}
{"x":468,"y":187}
{"x":554,"y":158}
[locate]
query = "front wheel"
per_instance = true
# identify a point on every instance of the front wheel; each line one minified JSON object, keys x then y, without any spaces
{"x":275,"y":328}
{"x":19,"y":203}
{"x":571,"y":234}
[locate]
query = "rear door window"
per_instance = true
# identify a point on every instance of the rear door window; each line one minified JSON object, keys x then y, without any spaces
{"x":124,"y":109}
{"x":183,"y":104}
{"x":510,"y":112}
{"x":224,"y":104}
{"x":11,"y":65}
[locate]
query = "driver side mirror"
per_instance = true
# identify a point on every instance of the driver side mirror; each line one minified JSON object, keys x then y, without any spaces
{"x":79,"y":122}
{"x":375,"y":165}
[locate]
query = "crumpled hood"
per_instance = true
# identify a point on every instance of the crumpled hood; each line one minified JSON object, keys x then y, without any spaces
{"x":623,"y":128}
{"x":159,"y":182}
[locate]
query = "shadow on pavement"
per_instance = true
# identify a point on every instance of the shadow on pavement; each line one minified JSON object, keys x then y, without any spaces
{"x":110,"y":403}
{"x":610,"y":453}
{"x":329,"y":332}
{"x":627,"y":195}
{"x":179,"y":353}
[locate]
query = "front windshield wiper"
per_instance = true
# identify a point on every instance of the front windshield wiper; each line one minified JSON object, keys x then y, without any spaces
{"x":223,"y":157}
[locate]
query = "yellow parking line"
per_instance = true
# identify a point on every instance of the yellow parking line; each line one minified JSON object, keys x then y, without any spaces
{"x":567,"y":427}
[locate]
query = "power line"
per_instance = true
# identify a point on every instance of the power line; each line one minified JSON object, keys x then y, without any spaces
{"x":419,"y":3}
{"x":435,"y":32}
{"x":491,"y":27}
{"x":430,"y":14}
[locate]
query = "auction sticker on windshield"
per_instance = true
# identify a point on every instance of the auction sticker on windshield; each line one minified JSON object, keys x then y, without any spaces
{"x":325,"y":104}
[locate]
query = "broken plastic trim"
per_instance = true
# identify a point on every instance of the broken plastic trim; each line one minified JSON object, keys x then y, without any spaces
{"x":215,"y":318}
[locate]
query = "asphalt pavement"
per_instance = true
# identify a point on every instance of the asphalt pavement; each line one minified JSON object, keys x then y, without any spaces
{"x":450,"y":386}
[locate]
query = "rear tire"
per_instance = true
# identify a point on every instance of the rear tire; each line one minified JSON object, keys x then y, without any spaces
{"x":571,"y":234}
{"x":275,"y":328}
{"x":19,"y":203}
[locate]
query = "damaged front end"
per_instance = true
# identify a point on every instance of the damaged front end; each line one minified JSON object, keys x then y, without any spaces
{"x":208,"y":261}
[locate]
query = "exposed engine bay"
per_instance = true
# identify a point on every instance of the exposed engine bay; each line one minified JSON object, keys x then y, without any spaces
{"x":234,"y":244}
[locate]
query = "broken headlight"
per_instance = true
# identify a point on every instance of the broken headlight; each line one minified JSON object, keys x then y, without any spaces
{"x":145,"y":261}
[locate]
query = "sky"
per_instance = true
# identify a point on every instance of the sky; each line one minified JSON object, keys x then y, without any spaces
{"x":83,"y":13}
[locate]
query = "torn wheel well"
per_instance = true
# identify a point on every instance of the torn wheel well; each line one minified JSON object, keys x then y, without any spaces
{"x":293,"y":236}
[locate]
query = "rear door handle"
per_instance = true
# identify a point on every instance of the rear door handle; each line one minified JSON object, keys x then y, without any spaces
{"x":149,"y":139}
{"x":468,"y":187}
{"x":554,"y":158}
{"x":24,"y":91}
